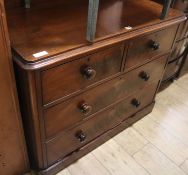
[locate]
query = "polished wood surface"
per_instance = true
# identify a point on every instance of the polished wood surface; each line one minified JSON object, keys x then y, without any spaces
{"x":13,"y":154}
{"x":32,"y":31}
{"x":57,"y":148}
{"x":103,"y":64}
{"x":74,"y":101}
{"x":99,"y":141}
{"x":100,"y":97}
{"x":29,"y":103}
{"x":145,"y":48}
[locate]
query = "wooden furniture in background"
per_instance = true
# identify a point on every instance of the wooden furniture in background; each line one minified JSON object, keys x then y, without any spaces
{"x":183,"y":5}
{"x":75,"y":95}
{"x":184,"y":65}
{"x":177,"y":64}
{"x":13,"y":154}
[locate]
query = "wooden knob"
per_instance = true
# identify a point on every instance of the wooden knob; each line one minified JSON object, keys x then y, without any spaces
{"x":81,"y":136}
{"x":85,"y":108}
{"x":88,"y":72}
{"x":144,"y":75}
{"x":135,"y":103}
{"x":154,"y":45}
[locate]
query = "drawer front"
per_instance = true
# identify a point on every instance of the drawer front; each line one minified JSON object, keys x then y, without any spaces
{"x":183,"y":30}
{"x":79,"y":136}
{"x":145,"y":48}
{"x":76,"y":75}
{"x":72,"y":111}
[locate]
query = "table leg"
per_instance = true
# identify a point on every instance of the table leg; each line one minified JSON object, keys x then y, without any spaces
{"x":27,"y":3}
{"x":92,"y":19}
{"x":166,"y":7}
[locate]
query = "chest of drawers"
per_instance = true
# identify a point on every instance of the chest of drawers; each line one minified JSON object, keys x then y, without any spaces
{"x":74,"y":101}
{"x":70,"y":106}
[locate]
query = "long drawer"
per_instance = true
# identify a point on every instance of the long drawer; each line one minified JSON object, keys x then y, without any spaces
{"x":75,"y":138}
{"x":71,"y":77}
{"x":81,"y":107}
{"x":145,"y":48}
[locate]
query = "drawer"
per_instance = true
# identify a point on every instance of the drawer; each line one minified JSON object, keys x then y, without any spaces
{"x":76,"y":75}
{"x":171,"y":69}
{"x":183,"y":30}
{"x":145,"y":48}
{"x":84,"y":105}
{"x":178,"y":49}
{"x":77,"y":137}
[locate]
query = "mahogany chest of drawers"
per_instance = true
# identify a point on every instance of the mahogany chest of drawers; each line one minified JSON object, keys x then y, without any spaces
{"x":74,"y":101}
{"x":70,"y":106}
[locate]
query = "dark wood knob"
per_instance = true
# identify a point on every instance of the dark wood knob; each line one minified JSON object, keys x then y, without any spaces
{"x":135,"y":103}
{"x":81,"y":136}
{"x":154,"y":45}
{"x":85,"y":108}
{"x":144,"y":75}
{"x":88,"y":72}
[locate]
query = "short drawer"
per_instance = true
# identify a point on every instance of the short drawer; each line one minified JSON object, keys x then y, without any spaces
{"x":79,"y":136}
{"x":76,"y":75}
{"x":81,"y":107}
{"x":147,"y":47}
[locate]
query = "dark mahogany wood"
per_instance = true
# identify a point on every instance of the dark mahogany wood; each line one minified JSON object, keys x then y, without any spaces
{"x":98,"y":141}
{"x":79,"y":92}
{"x":56,"y":118}
{"x":13,"y":154}
{"x":102,"y":65}
{"x":29,"y":103}
{"x":32,"y":31}
{"x":145,"y":48}
{"x":69,"y":141}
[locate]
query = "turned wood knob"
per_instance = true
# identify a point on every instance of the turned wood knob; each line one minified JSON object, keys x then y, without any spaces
{"x":81,"y":136}
{"x":88,"y":72}
{"x":135,"y":103}
{"x":144,"y":75}
{"x":154,"y":45}
{"x":85,"y":108}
